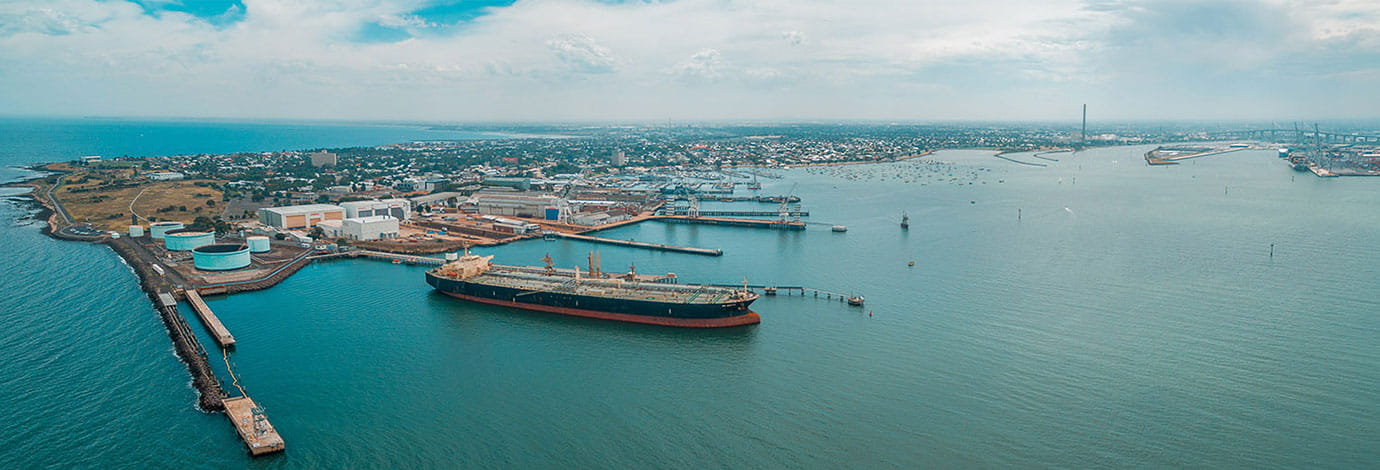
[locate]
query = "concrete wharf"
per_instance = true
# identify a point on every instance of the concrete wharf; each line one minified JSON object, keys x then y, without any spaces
{"x":637,"y":244}
{"x":208,"y":318}
{"x":253,"y":427}
{"x":755,"y":223}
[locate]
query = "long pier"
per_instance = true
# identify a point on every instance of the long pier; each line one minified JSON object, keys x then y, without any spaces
{"x":704,"y":213}
{"x":409,"y":259}
{"x":208,"y":318}
{"x":755,"y":223}
{"x":636,"y":244}
{"x":804,"y":291}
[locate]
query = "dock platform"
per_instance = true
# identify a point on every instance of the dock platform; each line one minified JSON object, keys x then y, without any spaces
{"x":254,"y":429}
{"x":208,"y":318}
{"x":636,"y":244}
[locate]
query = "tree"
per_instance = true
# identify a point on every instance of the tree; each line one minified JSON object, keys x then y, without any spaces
{"x":211,"y":202}
{"x":317,"y":233}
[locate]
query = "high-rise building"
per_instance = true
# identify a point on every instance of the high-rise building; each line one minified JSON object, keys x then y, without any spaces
{"x":618,"y":158}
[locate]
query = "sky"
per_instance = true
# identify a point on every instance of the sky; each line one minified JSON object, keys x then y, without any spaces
{"x":601,"y":60}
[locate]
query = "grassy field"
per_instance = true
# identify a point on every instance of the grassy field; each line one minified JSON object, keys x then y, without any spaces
{"x":102,"y":198}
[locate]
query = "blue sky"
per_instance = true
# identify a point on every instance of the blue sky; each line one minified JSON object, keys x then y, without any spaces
{"x":691,"y":59}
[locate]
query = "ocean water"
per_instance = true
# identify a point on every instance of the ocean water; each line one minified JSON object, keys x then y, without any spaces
{"x":1130,"y":317}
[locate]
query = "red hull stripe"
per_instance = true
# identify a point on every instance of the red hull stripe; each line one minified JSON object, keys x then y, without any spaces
{"x":749,"y":318}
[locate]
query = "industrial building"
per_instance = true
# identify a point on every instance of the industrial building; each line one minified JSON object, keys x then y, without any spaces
{"x":376,"y":227}
{"x":516,"y":205}
{"x":299,"y":217}
{"x":396,"y":208}
{"x":166,"y":176}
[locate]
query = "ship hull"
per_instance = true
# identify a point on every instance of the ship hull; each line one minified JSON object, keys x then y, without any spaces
{"x":625,"y":310}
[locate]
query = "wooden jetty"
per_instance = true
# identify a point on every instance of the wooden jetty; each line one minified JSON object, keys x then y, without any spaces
{"x":208,"y":318}
{"x":253,"y":426}
{"x":636,"y":244}
{"x":756,"y":223}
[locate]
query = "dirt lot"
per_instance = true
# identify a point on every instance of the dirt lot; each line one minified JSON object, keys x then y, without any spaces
{"x":102,"y":197}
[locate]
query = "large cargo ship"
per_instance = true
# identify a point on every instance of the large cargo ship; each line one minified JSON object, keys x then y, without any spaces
{"x":624,"y":298}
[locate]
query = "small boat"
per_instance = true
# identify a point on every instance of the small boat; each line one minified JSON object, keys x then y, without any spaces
{"x":770,"y":291}
{"x":397,"y":261}
{"x":839,"y":228}
{"x":905,"y":221}
{"x":856,"y":300}
{"x":911,"y":264}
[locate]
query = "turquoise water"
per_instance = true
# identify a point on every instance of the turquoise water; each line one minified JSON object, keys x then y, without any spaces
{"x":1131,"y":317}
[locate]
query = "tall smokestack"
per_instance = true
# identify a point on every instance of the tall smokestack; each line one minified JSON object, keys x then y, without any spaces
{"x":1084,"y":134}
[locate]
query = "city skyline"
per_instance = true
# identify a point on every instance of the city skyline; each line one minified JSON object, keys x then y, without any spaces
{"x":570,"y":60}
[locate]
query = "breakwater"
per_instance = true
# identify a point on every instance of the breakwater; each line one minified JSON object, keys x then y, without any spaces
{"x":189,"y":350}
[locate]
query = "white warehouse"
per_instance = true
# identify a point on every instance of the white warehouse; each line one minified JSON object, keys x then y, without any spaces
{"x":376,"y":227}
{"x":396,"y":208}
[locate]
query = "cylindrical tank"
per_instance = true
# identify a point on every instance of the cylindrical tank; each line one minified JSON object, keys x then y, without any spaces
{"x":136,"y":231}
{"x":186,"y":239}
{"x":222,"y":257}
{"x":157,"y":229}
{"x":258,"y":244}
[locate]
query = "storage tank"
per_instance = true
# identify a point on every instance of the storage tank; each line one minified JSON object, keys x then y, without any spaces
{"x":136,"y":231}
{"x":258,"y":244}
{"x":157,"y":229}
{"x":186,"y":239}
{"x":223,"y":257}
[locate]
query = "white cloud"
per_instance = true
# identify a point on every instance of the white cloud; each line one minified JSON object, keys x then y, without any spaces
{"x":537,"y":59}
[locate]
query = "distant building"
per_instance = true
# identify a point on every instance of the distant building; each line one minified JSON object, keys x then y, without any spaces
{"x":434,"y":184}
{"x":618,"y":158}
{"x":397,"y":208}
{"x":376,"y":227}
{"x":89,"y":159}
{"x":516,"y":183}
{"x":323,"y":158}
{"x":405,"y":186}
{"x":299,"y":217}
{"x":166,"y":176}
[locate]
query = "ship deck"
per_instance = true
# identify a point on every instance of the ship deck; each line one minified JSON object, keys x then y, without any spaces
{"x":609,"y":288}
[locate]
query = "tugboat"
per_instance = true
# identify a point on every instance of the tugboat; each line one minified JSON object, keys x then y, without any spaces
{"x":839,"y":228}
{"x":769,"y":291}
{"x":855,"y":300}
{"x":905,"y":221}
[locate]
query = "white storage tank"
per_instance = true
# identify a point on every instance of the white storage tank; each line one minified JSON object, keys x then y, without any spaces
{"x":136,"y":231}
{"x":258,"y":244}
{"x":157,"y":229}
{"x":186,"y":239}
